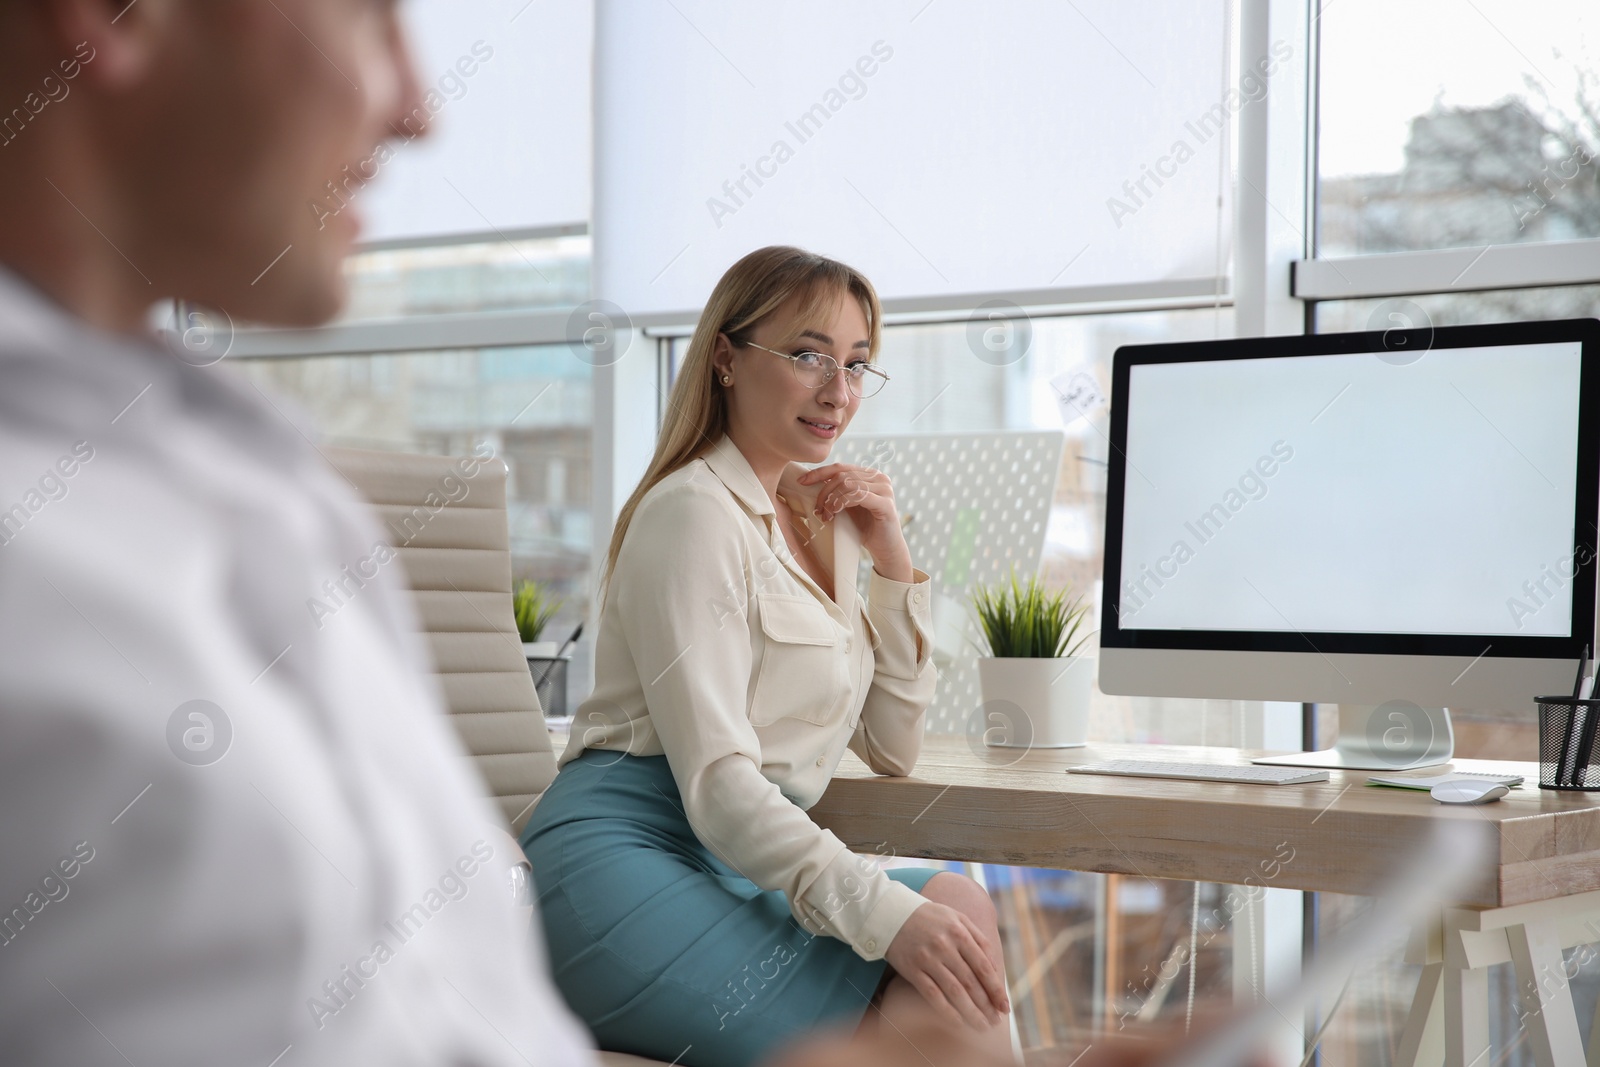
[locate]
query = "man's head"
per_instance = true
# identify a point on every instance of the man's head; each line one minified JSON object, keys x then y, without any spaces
{"x":209,"y":150}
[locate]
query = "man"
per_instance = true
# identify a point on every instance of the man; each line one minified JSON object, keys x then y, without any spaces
{"x":228,"y":835}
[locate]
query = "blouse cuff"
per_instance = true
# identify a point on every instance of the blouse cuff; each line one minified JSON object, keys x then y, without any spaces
{"x":902,"y":612}
{"x":886,"y":920}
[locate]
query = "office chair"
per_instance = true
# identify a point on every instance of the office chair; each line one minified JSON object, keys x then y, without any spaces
{"x":453,"y":543}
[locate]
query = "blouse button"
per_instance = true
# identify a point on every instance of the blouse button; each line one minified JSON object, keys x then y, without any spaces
{"x":847,"y":644}
{"x":872,"y":946}
{"x":916,"y":598}
{"x":821,"y":760}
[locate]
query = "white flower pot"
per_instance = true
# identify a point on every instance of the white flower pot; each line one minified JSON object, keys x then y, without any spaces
{"x":1037,"y":703}
{"x":545,"y":649}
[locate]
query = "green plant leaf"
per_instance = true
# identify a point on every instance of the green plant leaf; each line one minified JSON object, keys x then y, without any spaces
{"x":1025,"y":620}
{"x":533,"y":608}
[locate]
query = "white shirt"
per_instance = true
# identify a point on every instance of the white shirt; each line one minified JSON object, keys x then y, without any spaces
{"x":334,"y":888}
{"x":717,"y":649}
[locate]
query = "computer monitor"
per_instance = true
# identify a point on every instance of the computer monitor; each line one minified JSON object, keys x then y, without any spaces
{"x":1395,"y":522}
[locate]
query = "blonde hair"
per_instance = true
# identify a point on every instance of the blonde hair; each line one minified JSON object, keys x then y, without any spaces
{"x":750,"y":291}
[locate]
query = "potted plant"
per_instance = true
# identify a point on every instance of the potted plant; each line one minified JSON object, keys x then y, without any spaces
{"x":1029,"y":659}
{"x":533,"y":608}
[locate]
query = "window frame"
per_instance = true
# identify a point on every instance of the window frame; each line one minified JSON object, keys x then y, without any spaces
{"x":1475,"y":268}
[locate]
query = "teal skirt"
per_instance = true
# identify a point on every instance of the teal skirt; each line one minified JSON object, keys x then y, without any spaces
{"x":660,"y":947}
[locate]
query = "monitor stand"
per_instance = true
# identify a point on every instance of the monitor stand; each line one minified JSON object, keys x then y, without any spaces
{"x":1397,"y":736}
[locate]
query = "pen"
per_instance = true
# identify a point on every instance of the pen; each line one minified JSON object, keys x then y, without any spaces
{"x":556,"y":658}
{"x":1591,"y":719}
{"x":1566,"y":770}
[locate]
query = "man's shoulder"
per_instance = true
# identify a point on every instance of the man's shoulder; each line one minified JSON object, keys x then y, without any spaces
{"x":65,"y":384}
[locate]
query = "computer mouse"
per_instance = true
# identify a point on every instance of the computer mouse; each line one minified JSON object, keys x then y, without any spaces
{"x":1468,"y":791}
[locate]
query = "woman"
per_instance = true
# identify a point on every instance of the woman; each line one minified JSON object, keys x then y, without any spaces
{"x":694,"y":912}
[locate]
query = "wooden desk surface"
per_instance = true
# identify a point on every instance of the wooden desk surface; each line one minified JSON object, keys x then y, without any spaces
{"x":1342,"y":836}
{"x":968,"y":802}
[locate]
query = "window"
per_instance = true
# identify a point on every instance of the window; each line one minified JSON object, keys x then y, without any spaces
{"x":506,"y":110}
{"x":1454,"y":309}
{"x":951,"y":151}
{"x":533,"y":405}
{"x":510,"y":275}
{"x":1452,"y":125}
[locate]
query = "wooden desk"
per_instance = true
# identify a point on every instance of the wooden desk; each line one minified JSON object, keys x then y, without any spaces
{"x":1540,"y":893}
{"x":966,"y":802}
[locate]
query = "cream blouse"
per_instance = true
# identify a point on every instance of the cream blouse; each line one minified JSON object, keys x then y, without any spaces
{"x":717,"y":649}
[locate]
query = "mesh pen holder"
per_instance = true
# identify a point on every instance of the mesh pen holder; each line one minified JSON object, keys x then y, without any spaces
{"x":1569,"y":730}
{"x":550,"y":682}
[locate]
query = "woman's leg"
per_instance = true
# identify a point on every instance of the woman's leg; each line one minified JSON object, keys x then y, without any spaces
{"x":901,"y":1002}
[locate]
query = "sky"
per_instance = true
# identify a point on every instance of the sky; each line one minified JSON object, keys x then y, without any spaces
{"x":1386,"y":61}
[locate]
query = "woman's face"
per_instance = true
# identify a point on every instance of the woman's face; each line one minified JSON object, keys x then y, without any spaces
{"x":769,"y":407}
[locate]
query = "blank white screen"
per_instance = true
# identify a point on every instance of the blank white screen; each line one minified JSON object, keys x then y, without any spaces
{"x":1415,"y":498}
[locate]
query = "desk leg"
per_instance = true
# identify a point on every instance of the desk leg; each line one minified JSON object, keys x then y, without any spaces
{"x":1594,"y":1039}
{"x":1545,"y":999}
{"x":1466,"y":1017}
{"x":1422,"y":1040}
{"x":975,"y":872}
{"x":1109,"y":922}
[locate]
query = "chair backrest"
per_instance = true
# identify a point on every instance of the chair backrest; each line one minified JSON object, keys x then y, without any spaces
{"x":446,"y":517}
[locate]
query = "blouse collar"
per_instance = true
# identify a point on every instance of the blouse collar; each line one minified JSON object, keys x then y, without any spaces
{"x":838,"y":549}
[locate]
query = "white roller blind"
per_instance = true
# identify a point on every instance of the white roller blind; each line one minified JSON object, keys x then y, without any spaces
{"x":509,"y":84}
{"x":945,"y":148}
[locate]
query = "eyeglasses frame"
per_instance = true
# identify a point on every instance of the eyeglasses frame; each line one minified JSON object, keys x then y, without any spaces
{"x":794,"y":366}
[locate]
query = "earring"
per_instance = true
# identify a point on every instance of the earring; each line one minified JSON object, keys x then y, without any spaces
{"x":727,"y":379}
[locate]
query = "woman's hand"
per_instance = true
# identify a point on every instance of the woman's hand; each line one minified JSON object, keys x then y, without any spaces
{"x":866,"y":495}
{"x":940,"y":952}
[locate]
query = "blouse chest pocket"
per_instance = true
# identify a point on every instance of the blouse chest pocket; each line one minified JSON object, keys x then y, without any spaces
{"x":802,"y":673}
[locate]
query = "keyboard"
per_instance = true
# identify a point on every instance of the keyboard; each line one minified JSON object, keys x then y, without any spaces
{"x":1251,"y":774}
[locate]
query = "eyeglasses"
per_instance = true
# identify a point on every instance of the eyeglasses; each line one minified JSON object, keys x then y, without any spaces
{"x":816,"y":369}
